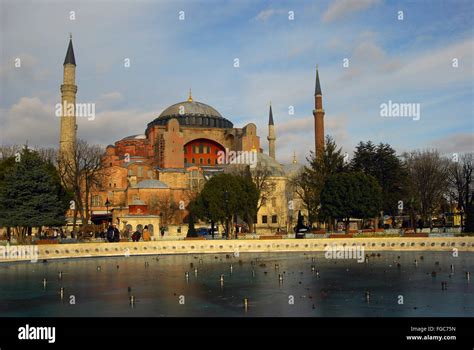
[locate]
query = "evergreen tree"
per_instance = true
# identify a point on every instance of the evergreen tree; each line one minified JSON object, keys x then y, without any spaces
{"x":311,"y":180}
{"x":31,"y":194}
{"x":382,"y":163}
{"x":214,"y":205}
{"x":350,"y":195}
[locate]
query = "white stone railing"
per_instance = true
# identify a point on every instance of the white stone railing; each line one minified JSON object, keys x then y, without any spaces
{"x":79,"y":250}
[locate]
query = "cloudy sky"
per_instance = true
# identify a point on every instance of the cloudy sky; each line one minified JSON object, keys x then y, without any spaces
{"x":404,"y":61}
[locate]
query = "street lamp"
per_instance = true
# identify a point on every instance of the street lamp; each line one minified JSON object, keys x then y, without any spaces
{"x":226,"y":201}
{"x":107,"y":203}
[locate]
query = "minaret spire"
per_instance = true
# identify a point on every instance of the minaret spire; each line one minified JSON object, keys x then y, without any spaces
{"x":67,"y":140}
{"x":271,"y":133}
{"x":317,"y":90}
{"x":70,"y":59}
{"x":270,"y":115}
{"x":318,"y":114}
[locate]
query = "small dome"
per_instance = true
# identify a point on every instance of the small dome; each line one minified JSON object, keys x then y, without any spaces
{"x":150,"y":184}
{"x":134,"y":137}
{"x":293,"y":169}
{"x":263,"y":161}
{"x":267,"y":162}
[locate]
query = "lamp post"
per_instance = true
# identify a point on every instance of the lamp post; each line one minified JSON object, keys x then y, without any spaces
{"x":107,"y":203}
{"x":226,"y":201}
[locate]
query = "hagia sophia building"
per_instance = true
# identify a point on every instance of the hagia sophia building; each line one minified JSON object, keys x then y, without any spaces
{"x":151,"y":177}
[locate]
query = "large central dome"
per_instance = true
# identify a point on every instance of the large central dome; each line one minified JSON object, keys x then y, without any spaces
{"x":190,"y":108}
{"x":193,"y":114}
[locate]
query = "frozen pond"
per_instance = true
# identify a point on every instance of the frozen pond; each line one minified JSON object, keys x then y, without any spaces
{"x":311,"y":285}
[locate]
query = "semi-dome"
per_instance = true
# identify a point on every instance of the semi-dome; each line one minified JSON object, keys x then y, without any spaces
{"x":193,"y":114}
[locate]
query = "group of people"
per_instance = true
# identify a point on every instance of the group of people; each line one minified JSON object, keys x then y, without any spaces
{"x":138,"y":234}
{"x":113,"y":234}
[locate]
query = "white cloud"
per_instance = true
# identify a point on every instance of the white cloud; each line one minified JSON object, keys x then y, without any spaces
{"x":30,"y":120}
{"x":108,"y":99}
{"x":342,"y":8}
{"x":458,"y":143}
{"x":33,"y":120}
{"x":265,"y":14}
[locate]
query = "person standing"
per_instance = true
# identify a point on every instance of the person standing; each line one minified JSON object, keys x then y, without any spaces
{"x":110,"y":233}
{"x":116,"y":235}
{"x":146,"y":234}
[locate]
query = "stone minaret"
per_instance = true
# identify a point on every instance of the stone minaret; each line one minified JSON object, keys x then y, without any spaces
{"x":318,"y":114}
{"x":271,"y":134}
{"x":67,"y":139}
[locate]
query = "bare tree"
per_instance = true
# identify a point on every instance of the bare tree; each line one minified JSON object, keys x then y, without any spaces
{"x":306,"y":188}
{"x":47,"y":154}
{"x":460,"y":179}
{"x":428,"y":174}
{"x":7,"y":151}
{"x":262,"y":178}
{"x":165,"y":206}
{"x":80,"y":174}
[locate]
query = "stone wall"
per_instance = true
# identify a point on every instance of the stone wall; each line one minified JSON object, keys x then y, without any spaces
{"x":79,"y":250}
